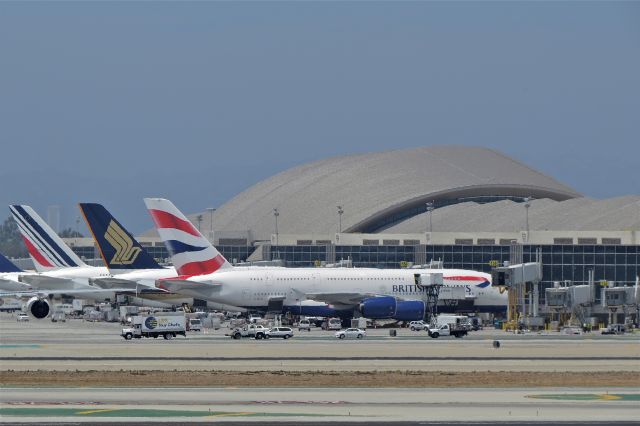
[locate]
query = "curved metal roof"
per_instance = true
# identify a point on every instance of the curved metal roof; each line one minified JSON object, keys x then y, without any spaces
{"x":578,"y":214}
{"x":377,"y":189}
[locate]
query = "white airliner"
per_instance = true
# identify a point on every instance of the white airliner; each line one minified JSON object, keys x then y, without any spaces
{"x":51,"y":256}
{"x":60,"y":270}
{"x":374,"y":293}
{"x":124,"y":255}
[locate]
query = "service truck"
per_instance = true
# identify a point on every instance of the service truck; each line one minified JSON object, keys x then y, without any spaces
{"x":447,"y":330}
{"x":167,"y":326}
{"x":458,"y":320}
{"x":250,"y":330}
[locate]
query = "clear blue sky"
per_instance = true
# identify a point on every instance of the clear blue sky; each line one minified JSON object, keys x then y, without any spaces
{"x":114,"y":101}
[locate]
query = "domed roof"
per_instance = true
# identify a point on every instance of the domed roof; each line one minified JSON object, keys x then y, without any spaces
{"x":379,"y":189}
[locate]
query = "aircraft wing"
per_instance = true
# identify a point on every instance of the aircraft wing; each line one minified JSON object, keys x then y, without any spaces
{"x":42,"y":293}
{"x":345,"y":299}
{"x":40,"y":281}
{"x":11,"y":285}
{"x":191,"y":288}
{"x":117,"y":282}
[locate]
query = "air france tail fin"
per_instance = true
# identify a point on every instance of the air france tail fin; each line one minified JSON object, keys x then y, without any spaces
{"x":7,"y":266}
{"x":191,"y":253}
{"x":118,"y":248}
{"x":46,"y":248}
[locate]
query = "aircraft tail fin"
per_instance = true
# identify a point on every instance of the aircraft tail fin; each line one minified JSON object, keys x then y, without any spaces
{"x":118,"y":248}
{"x":7,"y":266}
{"x":46,"y":248}
{"x":191,"y":253}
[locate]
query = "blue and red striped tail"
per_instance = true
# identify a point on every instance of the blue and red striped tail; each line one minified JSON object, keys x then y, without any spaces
{"x":46,"y":248}
{"x":191,"y":253}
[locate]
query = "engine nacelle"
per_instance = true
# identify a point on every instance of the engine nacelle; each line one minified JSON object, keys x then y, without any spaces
{"x":410,"y":310}
{"x":379,"y":307}
{"x":38,"y":308}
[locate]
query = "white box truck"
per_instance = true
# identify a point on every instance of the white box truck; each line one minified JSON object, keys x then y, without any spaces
{"x":167,"y":326}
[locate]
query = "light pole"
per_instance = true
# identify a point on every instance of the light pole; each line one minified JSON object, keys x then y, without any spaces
{"x":211,"y":210}
{"x":429,"y":210}
{"x":340,"y":211}
{"x":199,"y":219}
{"x":527,"y":204}
{"x":276,"y":213}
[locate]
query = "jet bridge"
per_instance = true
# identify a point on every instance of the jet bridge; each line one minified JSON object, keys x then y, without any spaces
{"x":568,"y":303}
{"x":621,"y":300}
{"x":522,"y":281}
{"x":430,"y":284}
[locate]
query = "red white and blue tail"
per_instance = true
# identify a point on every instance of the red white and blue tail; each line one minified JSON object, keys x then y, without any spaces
{"x":46,"y":248}
{"x":191,"y":253}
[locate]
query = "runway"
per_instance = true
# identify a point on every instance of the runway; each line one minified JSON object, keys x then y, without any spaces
{"x":319,"y":404}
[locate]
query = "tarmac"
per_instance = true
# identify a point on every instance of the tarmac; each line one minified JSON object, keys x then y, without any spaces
{"x":80,"y":345}
{"x":83,"y":345}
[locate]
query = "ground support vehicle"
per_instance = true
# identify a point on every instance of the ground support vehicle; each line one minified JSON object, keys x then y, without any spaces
{"x":194,"y":324}
{"x":250,"y":330}
{"x":167,"y":326}
{"x":448,"y":330}
{"x":614,"y":329}
{"x":304,"y":325}
{"x":417,"y":325}
{"x":283,"y":332}
{"x":332,"y":324}
{"x":351,"y":333}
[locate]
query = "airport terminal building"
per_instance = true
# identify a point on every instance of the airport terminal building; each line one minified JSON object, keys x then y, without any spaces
{"x":463,"y":206}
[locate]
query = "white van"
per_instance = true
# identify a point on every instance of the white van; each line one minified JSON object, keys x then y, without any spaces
{"x":333,"y":324}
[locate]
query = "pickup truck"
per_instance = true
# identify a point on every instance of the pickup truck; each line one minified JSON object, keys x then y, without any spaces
{"x":614,"y":329}
{"x":250,"y":330}
{"x":447,"y":330}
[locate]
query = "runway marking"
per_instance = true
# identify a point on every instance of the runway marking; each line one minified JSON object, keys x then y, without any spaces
{"x":588,"y":397}
{"x":138,"y":413}
{"x":95,"y":411}
{"x":231,"y":415}
{"x":17,"y":345}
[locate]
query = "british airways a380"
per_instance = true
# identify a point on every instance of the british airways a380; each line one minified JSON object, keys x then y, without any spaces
{"x":373,"y":293}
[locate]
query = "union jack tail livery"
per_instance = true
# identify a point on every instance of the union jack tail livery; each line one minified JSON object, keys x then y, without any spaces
{"x":191,"y":253}
{"x":46,"y":248}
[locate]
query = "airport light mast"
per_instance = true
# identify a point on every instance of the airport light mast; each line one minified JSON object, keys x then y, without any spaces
{"x":340,"y":211}
{"x":429,"y":211}
{"x":276,"y":213}
{"x":211,"y":210}
{"x":527,"y":204}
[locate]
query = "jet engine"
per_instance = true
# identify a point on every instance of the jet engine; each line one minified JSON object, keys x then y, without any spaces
{"x":38,"y":308}
{"x":379,"y":307}
{"x":410,"y":310}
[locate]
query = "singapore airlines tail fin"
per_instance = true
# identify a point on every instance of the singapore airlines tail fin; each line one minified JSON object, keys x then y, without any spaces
{"x":120,"y":251}
{"x":6,"y":266}
{"x":191,"y":253}
{"x":46,"y":248}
